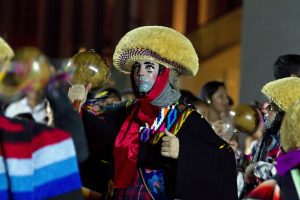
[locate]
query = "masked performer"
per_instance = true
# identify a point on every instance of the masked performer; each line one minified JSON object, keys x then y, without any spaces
{"x":281,"y":94}
{"x":286,"y":185}
{"x":162,"y":148}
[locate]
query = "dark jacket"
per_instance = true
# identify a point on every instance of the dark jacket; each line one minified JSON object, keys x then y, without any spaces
{"x":67,"y":119}
{"x":205,"y":168}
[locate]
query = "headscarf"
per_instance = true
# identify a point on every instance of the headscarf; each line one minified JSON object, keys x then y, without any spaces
{"x":127,"y":142}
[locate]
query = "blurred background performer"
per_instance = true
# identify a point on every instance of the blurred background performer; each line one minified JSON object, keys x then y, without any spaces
{"x":34,"y":102}
{"x":282,"y":93}
{"x":286,"y":185}
{"x":38,"y":162}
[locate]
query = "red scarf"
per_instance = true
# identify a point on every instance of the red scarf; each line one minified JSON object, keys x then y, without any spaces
{"x":127,"y":142}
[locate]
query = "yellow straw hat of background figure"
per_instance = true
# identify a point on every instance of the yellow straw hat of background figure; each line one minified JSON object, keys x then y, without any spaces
{"x":6,"y":53}
{"x":283,"y":92}
{"x":290,"y":128}
{"x":156,"y":43}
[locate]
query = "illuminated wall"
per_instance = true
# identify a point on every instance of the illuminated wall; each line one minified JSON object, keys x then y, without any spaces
{"x":224,"y":66}
{"x":270,"y":28}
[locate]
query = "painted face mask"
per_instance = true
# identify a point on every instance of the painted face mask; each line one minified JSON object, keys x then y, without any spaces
{"x":273,"y":118}
{"x":145,"y":74}
{"x":270,"y":115}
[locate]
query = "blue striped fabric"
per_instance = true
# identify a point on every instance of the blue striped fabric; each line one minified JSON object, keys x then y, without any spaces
{"x":51,"y":189}
{"x":44,"y":175}
{"x":44,"y":156}
{"x":3,"y":182}
{"x":50,"y":172}
{"x":4,"y":194}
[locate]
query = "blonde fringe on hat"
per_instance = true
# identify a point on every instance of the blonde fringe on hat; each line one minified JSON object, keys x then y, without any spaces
{"x":156,"y":43}
{"x":290,"y":128}
{"x":6,"y":52}
{"x":283,"y":92}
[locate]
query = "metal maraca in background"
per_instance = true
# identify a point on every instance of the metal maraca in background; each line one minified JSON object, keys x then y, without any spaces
{"x":245,"y":118}
{"x":29,"y":70}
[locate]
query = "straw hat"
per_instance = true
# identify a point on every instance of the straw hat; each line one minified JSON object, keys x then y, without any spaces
{"x":290,"y":128}
{"x":156,"y":43}
{"x":6,"y":53}
{"x":283,"y":92}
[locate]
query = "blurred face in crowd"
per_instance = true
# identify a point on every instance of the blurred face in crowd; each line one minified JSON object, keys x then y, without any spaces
{"x":270,"y":114}
{"x":113,"y":99}
{"x":145,"y":74}
{"x":219,"y":100}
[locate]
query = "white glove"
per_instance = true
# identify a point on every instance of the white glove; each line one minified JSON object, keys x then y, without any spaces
{"x":170,"y":145}
{"x":77,"y":92}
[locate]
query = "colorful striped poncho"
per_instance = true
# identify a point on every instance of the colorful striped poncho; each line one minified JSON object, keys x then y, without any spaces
{"x":37,"y":162}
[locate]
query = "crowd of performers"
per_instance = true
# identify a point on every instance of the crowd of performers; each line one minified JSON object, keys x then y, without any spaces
{"x":155,"y":141}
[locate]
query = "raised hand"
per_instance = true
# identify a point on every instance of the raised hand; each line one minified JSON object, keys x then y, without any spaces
{"x":170,"y":145}
{"x":78,"y":93}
